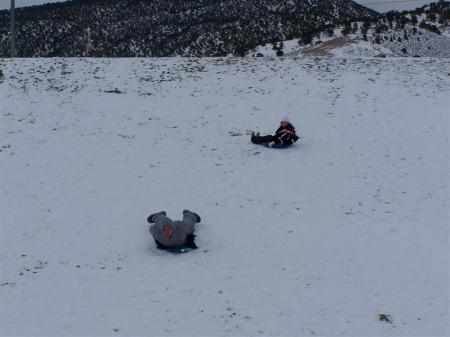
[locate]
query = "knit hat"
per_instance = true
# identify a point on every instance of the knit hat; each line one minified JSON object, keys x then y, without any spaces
{"x":286,"y":119}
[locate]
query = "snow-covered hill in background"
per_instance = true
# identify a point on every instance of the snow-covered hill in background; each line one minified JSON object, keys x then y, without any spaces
{"x":423,"y":32}
{"x":418,"y":43}
{"x":129,"y":28}
{"x":324,"y":238}
{"x":407,"y":42}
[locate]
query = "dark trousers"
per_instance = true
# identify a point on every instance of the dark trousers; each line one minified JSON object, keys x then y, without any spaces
{"x":263,"y":139}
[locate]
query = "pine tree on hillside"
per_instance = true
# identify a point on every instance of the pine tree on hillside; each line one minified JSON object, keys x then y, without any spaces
{"x":366,"y":24}
{"x":431,"y":17}
{"x":347,"y":29}
{"x":446,"y":14}
{"x":306,"y":38}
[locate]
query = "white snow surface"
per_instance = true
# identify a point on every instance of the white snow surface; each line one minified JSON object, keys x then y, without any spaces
{"x":361,"y":49}
{"x":319,"y":239}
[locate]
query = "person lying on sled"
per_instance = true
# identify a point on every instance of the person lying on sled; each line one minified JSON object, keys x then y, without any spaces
{"x":284,"y":136}
{"x":168,"y":233}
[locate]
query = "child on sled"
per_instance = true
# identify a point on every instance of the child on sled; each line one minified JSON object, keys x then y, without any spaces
{"x":284,"y":136}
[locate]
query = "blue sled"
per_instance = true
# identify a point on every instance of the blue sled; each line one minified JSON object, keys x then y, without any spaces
{"x":178,"y":250}
{"x":277,"y":146}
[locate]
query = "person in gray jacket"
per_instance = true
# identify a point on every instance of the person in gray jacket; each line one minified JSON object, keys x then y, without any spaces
{"x":169,"y":233}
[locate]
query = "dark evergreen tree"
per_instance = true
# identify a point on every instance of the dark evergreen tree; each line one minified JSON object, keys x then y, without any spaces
{"x":431,"y":17}
{"x":366,"y":24}
{"x":346,"y":30}
{"x":446,"y":14}
{"x":307,"y":37}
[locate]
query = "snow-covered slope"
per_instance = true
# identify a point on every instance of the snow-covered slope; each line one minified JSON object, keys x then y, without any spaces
{"x":407,"y":42}
{"x":423,"y":32}
{"x":318,"y":239}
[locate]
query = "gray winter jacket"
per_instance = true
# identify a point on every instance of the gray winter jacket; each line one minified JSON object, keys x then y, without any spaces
{"x":180,"y":230}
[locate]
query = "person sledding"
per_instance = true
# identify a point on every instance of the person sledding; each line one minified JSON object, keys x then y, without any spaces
{"x":284,"y":136}
{"x":175,"y":236}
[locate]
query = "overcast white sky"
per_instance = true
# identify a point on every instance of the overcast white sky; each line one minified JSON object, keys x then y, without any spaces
{"x":378,"y":5}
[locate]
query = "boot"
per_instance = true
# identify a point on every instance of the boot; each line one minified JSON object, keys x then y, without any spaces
{"x":152,"y":217}
{"x":255,"y":138}
{"x":196,"y":216}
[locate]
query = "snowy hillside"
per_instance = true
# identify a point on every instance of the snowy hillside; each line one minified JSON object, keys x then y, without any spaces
{"x":423,"y":32}
{"x":418,"y":43}
{"x":129,"y":28}
{"x":407,"y":42}
{"x":346,"y":233}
